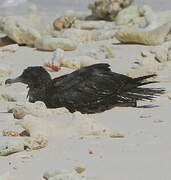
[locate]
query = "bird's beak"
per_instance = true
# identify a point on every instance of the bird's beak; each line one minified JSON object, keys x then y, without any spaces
{"x":14,"y":80}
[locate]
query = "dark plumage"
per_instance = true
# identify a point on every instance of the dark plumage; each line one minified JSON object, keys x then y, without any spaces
{"x":91,"y":89}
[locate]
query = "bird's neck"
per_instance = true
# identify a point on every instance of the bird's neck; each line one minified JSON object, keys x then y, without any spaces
{"x":37,"y":93}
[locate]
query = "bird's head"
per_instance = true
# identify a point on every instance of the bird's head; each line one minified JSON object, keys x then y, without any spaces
{"x":33,"y":76}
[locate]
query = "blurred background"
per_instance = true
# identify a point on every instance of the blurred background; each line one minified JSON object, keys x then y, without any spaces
{"x":9,"y":7}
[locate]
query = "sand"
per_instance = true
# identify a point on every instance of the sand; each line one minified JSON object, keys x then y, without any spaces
{"x":142,"y":154}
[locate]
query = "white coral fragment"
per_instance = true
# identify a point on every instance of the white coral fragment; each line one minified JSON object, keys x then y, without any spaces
{"x":156,"y":36}
{"x":38,"y":127}
{"x":37,"y":109}
{"x":12,"y":145}
{"x":72,"y":124}
{"x":49,"y":43}
{"x":39,"y":142}
{"x":108,"y":9}
{"x":76,"y":62}
{"x":10,"y":48}
{"x":19,"y":29}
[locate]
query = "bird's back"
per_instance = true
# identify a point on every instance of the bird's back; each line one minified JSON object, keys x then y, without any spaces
{"x":91,"y":89}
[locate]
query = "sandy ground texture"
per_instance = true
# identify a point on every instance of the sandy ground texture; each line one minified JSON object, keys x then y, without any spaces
{"x":137,"y":141}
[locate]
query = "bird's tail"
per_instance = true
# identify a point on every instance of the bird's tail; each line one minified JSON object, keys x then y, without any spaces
{"x":142,"y":78}
{"x":144,"y":93}
{"x":140,"y":93}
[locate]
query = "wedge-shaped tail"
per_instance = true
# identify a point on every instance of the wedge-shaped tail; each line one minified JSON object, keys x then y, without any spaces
{"x":141,"y":93}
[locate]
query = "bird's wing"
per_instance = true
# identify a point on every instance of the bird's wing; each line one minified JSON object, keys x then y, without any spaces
{"x":88,"y":84}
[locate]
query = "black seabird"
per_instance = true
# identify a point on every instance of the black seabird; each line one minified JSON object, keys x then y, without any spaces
{"x":90,"y":89}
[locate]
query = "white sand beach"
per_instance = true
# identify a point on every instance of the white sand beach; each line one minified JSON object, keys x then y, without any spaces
{"x":136,"y":143}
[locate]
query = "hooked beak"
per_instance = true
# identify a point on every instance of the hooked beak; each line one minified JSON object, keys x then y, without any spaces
{"x":14,"y":80}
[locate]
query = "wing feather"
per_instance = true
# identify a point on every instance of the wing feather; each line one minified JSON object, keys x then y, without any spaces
{"x":88,"y":85}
